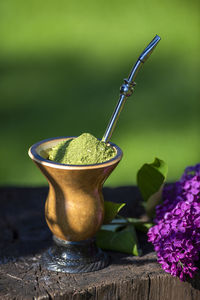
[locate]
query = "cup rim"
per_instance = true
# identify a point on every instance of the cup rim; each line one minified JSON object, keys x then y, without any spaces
{"x":32,"y":152}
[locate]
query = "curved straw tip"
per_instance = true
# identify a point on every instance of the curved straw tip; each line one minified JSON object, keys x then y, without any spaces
{"x":158,"y":37}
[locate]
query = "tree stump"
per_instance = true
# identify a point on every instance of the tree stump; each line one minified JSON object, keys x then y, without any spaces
{"x":24,"y":235}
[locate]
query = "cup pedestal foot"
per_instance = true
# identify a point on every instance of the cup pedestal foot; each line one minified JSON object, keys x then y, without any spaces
{"x":74,"y":257}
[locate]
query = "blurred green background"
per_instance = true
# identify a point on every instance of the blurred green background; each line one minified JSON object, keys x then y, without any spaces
{"x":61,"y":66}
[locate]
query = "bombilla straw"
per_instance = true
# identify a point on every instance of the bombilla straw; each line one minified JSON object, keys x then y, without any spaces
{"x":126,"y":89}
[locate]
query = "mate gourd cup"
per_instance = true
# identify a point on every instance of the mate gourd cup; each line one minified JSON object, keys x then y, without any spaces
{"x":74,"y":209}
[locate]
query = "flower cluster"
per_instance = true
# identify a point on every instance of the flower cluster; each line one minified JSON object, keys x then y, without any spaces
{"x":176,"y":235}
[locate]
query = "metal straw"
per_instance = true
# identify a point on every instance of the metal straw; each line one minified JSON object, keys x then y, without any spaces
{"x":126,"y":89}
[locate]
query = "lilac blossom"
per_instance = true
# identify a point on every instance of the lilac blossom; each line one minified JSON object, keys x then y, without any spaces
{"x":176,"y":235}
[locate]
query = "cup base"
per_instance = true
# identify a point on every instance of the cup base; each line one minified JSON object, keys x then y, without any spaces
{"x":74,"y":257}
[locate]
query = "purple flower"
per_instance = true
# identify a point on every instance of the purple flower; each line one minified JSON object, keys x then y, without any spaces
{"x":176,"y":235}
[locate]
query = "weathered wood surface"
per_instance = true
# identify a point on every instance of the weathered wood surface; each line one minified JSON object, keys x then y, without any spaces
{"x":24,"y":235}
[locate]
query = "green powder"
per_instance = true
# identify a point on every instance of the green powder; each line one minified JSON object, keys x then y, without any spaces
{"x":83,"y":150}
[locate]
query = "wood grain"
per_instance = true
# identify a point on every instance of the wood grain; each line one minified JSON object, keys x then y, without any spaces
{"x":24,"y":235}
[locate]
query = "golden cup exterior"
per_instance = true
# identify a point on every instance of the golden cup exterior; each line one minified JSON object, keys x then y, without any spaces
{"x":74,"y":208}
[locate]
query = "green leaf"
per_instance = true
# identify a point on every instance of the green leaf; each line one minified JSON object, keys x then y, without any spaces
{"x":150,"y":177}
{"x":122,"y":241}
{"x":150,"y":180}
{"x":111,"y":210}
{"x":140,"y":225}
{"x":153,"y":201}
{"x":112,"y":227}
